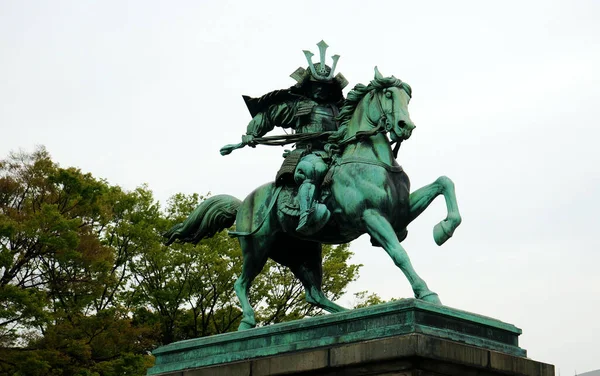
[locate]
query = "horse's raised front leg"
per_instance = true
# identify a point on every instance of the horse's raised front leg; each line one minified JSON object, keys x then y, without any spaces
{"x":421,"y":198}
{"x":382,"y":231}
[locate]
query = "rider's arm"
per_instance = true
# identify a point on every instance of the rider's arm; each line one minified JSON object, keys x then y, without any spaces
{"x":259,"y":125}
{"x":276,"y":115}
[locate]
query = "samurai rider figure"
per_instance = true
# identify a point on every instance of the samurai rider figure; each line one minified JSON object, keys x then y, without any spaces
{"x":310,"y":106}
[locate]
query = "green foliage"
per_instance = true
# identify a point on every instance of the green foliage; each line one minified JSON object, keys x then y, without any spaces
{"x":364,"y":299}
{"x":88,"y":288}
{"x":63,"y":248}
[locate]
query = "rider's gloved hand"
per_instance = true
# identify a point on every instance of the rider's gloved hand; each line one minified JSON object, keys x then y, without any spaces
{"x":248,"y":139}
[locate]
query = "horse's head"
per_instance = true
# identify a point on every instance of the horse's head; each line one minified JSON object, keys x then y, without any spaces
{"x":388,"y":106}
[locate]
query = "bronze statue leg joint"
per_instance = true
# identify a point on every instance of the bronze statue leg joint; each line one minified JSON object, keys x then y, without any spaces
{"x":382,"y":231}
{"x":421,"y":198}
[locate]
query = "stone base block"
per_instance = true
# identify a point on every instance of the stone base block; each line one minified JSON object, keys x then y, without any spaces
{"x":406,"y":337}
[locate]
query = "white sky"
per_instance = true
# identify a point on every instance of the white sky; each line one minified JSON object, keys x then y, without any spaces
{"x":505,"y":98}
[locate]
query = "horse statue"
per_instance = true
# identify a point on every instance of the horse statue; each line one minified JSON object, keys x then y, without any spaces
{"x":366,"y":190}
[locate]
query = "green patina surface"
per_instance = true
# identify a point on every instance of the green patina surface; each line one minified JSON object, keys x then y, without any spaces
{"x":401,"y":317}
{"x":340,"y":181}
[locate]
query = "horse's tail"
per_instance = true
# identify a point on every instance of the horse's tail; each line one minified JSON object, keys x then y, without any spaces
{"x":211,"y":216}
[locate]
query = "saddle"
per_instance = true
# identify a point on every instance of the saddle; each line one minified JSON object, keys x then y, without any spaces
{"x":287,"y":202}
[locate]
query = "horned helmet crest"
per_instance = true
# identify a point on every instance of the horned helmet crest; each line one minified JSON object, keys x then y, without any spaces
{"x":320,"y":71}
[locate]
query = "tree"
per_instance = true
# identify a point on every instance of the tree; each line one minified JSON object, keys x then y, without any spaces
{"x":51,"y":258}
{"x":59,"y":270}
{"x":366,"y":299}
{"x":88,"y":288}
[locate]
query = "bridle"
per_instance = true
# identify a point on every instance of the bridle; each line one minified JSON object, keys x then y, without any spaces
{"x":383,"y":119}
{"x":384,"y":123}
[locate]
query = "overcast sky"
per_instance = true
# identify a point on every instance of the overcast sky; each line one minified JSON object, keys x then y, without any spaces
{"x":505,"y":98}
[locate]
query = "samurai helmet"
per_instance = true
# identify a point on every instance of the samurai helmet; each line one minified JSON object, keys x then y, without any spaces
{"x":320,"y":72}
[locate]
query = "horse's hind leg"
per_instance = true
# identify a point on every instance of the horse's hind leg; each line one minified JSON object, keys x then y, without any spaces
{"x":314,"y":293}
{"x":305,"y":261}
{"x":310,"y":274}
{"x":383,"y":232}
{"x":421,"y":198}
{"x":255,"y":251}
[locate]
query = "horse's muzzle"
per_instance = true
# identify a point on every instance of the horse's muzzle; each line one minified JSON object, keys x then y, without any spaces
{"x":406,"y":129}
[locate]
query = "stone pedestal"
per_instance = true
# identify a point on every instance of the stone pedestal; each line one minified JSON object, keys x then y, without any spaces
{"x":403,"y":338}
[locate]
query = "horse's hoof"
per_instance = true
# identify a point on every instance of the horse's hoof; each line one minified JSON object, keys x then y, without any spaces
{"x":244,"y":326}
{"x":441,"y":232}
{"x":431,"y":297}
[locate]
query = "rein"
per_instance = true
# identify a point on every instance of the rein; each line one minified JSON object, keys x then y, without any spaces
{"x":361,"y":135}
{"x":285,"y":139}
{"x":294,"y":138}
{"x":280,"y":140}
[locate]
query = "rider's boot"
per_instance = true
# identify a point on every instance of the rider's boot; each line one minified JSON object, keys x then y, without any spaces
{"x":313,"y":215}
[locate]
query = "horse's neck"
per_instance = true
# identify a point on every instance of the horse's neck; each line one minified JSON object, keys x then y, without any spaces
{"x":376,"y":148}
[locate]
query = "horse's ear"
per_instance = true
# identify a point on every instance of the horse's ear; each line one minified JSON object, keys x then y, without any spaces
{"x":378,"y":75}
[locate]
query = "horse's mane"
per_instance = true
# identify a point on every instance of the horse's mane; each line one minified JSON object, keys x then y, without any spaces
{"x":357,"y":94}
